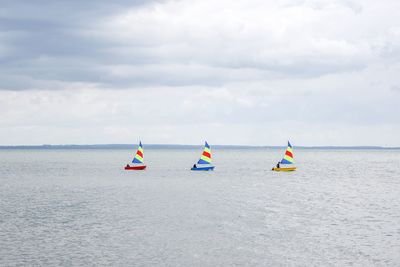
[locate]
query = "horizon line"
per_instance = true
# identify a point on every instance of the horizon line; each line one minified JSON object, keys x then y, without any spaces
{"x":127,"y":146}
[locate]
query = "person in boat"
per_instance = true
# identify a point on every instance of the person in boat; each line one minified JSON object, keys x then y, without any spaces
{"x":278,"y":165}
{"x":194,"y":166}
{"x":127,"y":166}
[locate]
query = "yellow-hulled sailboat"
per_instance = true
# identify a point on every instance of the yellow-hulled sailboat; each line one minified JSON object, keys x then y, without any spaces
{"x":287,"y":163}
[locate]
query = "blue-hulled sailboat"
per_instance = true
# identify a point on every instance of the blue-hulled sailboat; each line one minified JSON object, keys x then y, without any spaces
{"x":204,"y":163}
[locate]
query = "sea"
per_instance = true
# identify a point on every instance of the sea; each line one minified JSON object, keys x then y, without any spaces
{"x":78,"y":207}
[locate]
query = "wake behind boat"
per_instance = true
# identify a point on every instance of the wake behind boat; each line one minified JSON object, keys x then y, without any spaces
{"x":287,"y":163}
{"x":138,"y":160}
{"x":204,"y":163}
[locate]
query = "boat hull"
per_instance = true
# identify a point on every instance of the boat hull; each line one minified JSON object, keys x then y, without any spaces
{"x":209,"y":168}
{"x":135,"y":168}
{"x":290,"y":169}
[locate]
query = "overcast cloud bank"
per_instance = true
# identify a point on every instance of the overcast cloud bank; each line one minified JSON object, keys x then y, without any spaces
{"x":248,"y":72}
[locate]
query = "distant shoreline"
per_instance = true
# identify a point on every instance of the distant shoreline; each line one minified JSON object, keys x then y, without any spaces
{"x":176,"y":146}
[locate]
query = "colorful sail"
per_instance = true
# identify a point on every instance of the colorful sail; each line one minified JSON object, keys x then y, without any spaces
{"x":288,"y":157}
{"x":206,"y":156}
{"x":138,"y":159}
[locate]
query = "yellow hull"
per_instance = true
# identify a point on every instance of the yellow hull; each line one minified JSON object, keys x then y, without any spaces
{"x":284,"y":169}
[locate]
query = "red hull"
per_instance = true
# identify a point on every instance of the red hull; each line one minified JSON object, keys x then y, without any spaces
{"x":130,"y":168}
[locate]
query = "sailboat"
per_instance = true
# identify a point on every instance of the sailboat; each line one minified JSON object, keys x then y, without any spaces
{"x":138,"y":162}
{"x":204,"y":163}
{"x":287,"y":163}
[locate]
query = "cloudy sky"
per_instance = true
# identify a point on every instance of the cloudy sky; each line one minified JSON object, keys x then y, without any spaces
{"x":253,"y":72}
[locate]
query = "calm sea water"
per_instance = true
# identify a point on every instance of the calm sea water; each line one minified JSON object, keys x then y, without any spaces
{"x":78,"y":207}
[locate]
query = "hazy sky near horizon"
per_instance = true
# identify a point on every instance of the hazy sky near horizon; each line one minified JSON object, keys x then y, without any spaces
{"x":255,"y":72}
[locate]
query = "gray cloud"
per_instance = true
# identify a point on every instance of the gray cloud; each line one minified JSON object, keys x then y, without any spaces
{"x":44,"y":41}
{"x":165,"y":43}
{"x":321,"y":71}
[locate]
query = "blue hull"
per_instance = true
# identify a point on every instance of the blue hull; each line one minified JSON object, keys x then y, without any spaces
{"x":210,"y":168}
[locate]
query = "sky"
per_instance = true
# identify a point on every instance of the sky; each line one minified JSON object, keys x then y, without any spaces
{"x":246,"y":72}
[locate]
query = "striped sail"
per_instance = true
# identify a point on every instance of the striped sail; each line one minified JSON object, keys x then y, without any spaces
{"x":138,"y":159}
{"x":288,"y":157}
{"x":206,"y":156}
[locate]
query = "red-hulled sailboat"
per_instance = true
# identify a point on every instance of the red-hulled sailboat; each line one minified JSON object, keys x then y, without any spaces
{"x":138,"y":161}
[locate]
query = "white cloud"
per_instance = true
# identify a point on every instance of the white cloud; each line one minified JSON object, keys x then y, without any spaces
{"x":292,"y":39}
{"x":244,"y":72}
